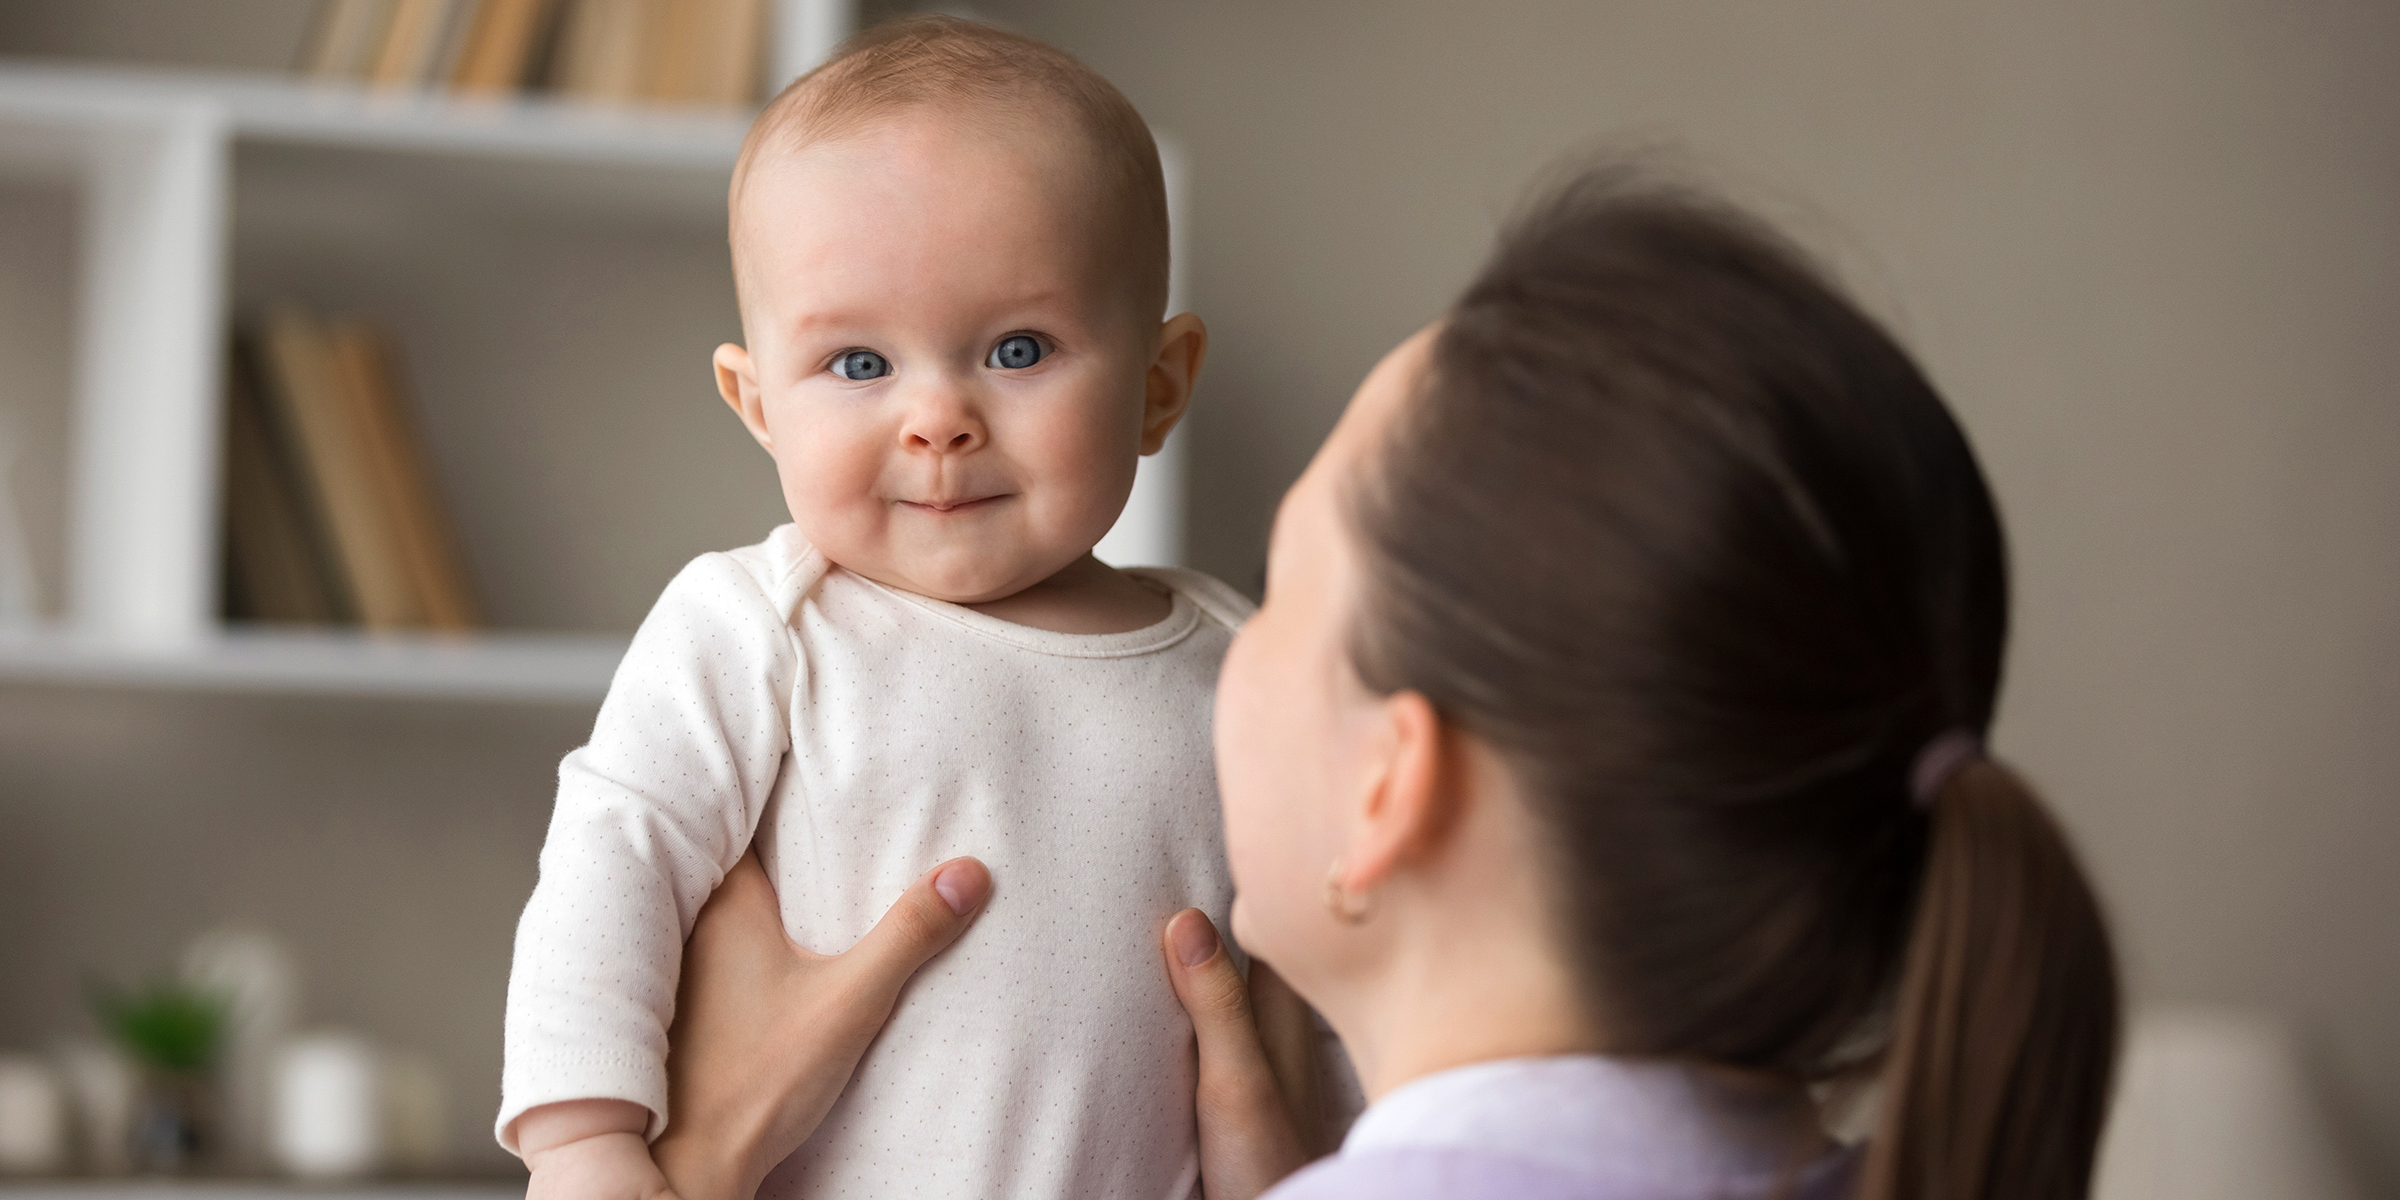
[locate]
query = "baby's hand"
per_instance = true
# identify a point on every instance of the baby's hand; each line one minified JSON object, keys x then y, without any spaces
{"x":589,"y":1150}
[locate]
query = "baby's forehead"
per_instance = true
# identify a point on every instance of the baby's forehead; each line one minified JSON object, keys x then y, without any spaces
{"x":973,"y":162}
{"x":1049,"y":146}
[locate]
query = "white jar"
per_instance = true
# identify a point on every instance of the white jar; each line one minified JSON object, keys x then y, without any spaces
{"x":33,"y":1117}
{"x":329,"y":1108}
{"x":260,"y":981}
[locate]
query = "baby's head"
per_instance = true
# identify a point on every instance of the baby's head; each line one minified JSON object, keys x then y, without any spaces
{"x":950,"y":247}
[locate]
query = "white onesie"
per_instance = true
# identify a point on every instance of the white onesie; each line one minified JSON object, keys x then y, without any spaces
{"x":866,"y":734}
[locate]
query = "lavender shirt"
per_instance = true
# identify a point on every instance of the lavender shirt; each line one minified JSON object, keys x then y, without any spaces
{"x":1578,"y":1127}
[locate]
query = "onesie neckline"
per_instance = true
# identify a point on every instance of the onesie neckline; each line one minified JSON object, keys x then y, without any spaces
{"x":1182,"y":618}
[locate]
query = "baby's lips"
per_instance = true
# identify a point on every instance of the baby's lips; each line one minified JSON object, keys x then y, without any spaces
{"x":954,"y":503}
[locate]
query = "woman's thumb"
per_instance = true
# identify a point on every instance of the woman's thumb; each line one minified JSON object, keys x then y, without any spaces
{"x":1247,"y":1140}
{"x":1212,"y":991}
{"x":928,"y":916}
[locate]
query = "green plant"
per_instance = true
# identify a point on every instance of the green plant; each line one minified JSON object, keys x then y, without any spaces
{"x":167,"y":1025}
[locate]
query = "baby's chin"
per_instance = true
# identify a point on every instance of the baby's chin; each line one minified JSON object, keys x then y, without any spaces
{"x":976,"y":578}
{"x":972,"y":559}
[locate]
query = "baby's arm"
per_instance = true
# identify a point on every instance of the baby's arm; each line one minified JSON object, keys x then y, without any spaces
{"x":589,"y":1150}
{"x":650,"y":815}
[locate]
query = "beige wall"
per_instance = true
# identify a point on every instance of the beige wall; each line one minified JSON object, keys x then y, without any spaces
{"x":2151,"y":250}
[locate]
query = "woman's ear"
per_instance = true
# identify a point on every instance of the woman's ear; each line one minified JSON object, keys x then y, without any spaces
{"x":1182,"y":344}
{"x":1411,"y":798}
{"x":737,"y":381}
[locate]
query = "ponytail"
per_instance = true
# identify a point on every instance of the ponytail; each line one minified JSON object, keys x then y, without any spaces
{"x":1996,"y":1080}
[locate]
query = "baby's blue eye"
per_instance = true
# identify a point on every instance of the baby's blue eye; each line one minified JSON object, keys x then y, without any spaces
{"x":861,"y":364}
{"x":1015,"y":352}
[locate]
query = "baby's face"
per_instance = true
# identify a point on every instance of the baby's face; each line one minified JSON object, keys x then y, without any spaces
{"x":947,"y":355}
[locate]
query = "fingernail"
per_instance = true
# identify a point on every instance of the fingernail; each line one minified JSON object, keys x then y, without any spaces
{"x":1195,"y":938}
{"x":958,"y":887}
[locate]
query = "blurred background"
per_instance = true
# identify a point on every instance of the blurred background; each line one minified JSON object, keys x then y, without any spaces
{"x":2150,"y":251}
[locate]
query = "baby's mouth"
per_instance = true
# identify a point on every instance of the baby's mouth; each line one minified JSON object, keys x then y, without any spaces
{"x":963,"y":504}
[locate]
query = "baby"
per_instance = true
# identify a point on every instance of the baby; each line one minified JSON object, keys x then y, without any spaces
{"x":950,"y":248}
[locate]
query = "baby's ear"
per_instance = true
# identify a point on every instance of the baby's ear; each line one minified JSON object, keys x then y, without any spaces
{"x":1182,"y":344}
{"x":737,"y":381}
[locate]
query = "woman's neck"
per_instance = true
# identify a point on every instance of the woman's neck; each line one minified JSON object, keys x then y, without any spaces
{"x":1461,"y":957}
{"x":1464,"y":960}
{"x":1446,"y":1003}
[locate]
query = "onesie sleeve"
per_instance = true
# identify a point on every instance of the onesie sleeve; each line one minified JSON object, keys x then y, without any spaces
{"x":650,"y":816}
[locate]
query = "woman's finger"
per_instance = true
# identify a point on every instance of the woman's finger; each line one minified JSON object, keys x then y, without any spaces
{"x":928,"y":916}
{"x":1212,"y":991}
{"x":1247,"y":1141}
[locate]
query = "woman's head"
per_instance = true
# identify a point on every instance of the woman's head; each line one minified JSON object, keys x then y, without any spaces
{"x":1671,"y":530}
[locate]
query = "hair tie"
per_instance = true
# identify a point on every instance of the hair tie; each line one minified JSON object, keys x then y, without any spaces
{"x":1938,"y":761}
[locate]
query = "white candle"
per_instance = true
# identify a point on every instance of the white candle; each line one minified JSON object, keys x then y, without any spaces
{"x":260,"y":984}
{"x":33,"y":1117}
{"x":329,"y":1107}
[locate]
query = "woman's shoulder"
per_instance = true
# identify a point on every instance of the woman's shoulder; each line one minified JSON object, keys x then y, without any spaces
{"x":1472,"y":1173}
{"x":1432,"y":1173}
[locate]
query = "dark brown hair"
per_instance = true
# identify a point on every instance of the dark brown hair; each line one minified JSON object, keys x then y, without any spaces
{"x":980,"y":73}
{"x":1695,"y":546}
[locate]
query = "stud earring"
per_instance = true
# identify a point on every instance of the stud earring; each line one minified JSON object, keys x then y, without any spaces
{"x":1346,"y":908}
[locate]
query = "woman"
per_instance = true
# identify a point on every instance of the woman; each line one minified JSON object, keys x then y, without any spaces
{"x":1604,"y":765}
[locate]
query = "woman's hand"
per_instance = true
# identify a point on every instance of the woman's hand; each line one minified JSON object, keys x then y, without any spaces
{"x":1248,"y":1137}
{"x":767,"y":1034}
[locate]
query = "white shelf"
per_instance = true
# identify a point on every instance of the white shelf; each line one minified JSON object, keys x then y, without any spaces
{"x":520,"y":667}
{"x":268,"y":108}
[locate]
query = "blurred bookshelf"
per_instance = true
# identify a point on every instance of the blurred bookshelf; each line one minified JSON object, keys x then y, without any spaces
{"x":200,"y":199}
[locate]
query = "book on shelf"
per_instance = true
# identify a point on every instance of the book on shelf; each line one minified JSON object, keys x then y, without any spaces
{"x":278,"y":558}
{"x":343,"y":42}
{"x":393,"y":43}
{"x":707,"y":52}
{"x":331,"y":508}
{"x":413,"y":42}
{"x":429,"y":552}
{"x":501,"y":44}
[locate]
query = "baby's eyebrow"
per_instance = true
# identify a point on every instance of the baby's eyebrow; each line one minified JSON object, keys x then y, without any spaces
{"x":833,"y":319}
{"x":1049,"y":302}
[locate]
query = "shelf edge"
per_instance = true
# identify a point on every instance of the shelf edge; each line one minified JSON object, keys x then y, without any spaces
{"x":279,"y":108}
{"x":508,"y":667}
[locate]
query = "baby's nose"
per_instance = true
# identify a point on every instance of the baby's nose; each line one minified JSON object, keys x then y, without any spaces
{"x":943,"y":422}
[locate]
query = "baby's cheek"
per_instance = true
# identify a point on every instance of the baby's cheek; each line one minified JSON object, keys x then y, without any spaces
{"x":831,"y":500}
{"x":1089,"y":481}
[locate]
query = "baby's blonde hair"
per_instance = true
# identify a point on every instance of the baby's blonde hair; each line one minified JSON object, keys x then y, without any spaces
{"x":981,"y":72}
